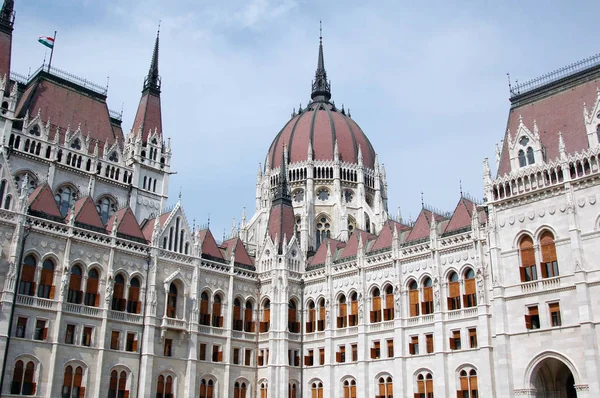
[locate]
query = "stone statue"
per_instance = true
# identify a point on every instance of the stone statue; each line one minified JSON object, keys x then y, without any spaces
{"x":109,"y":289}
{"x":64,"y":281}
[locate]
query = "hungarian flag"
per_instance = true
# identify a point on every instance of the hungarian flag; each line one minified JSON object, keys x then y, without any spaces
{"x":47,"y":41}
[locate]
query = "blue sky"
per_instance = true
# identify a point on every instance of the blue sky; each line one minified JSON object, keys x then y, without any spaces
{"x":426,"y":80}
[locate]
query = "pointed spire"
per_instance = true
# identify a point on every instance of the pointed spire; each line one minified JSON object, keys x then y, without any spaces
{"x":310,"y":150}
{"x":282,"y":187}
{"x":360,"y":156}
{"x":336,"y":152}
{"x":152,"y":81}
{"x":7,"y":15}
{"x":399,"y":216}
{"x":321,"y":88}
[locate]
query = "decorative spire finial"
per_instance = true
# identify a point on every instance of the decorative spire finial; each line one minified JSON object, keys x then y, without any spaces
{"x":460,"y":185}
{"x":321,"y":87}
{"x":152,"y":81}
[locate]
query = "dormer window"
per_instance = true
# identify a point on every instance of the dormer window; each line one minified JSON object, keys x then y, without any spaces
{"x":530,"y":157}
{"x":76,"y":144}
{"x":113,"y":157}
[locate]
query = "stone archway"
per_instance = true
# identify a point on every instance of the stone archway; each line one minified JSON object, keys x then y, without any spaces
{"x":552,"y":378}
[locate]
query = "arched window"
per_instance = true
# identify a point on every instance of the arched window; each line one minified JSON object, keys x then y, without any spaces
{"x":292,"y":390}
{"x":424,"y":386}
{"x":164,"y":387}
{"x":113,"y":156}
{"x":266,"y":322}
{"x":470,"y":296}
{"x":530,"y":157}
{"x":248,"y":317}
{"x":528,"y":269}
{"x":7,"y":201}
{"x":92,"y":298}
{"x":264,"y":390}
{"x":206,"y":388}
{"x":75,"y":295}
{"x":217,"y":318}
{"x":522,"y":159}
{"x":349,"y":388}
{"x":2,"y":189}
{"x":72,"y":387}
{"x":342,"y":319}
{"x":386,"y":387}
{"x":316,"y":390}
{"x":323,"y":232}
{"x":204,"y":313}
{"x":353,"y":317}
{"x":46,"y":288}
{"x":238,"y":322}
{"x":321,"y":321}
{"x":311,"y":323}
{"x":172,"y":301}
{"x":64,"y":197}
{"x":31,"y":181}
{"x":427,"y":304}
{"x":133,"y":297}
{"x":293,"y":324}
{"x":453,"y":291}
{"x":76,"y":144}
{"x":118,"y":385}
{"x":106,"y":208}
{"x":413,"y":298}
{"x":22,"y":382}
{"x":388,"y":312}
{"x":118,"y":301}
{"x":468,"y":384}
{"x":27,"y":283}
{"x":549,"y":260}
{"x":376,"y":311}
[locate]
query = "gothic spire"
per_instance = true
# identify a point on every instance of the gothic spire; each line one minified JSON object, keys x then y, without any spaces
{"x":152,"y":81}
{"x":321,"y":87}
{"x":282,"y":194}
{"x":7,"y":14}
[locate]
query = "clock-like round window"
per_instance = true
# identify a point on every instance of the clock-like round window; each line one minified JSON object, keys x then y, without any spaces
{"x":298,"y":195}
{"x":323,"y":194}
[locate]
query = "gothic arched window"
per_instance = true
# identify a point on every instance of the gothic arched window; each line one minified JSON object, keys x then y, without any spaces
{"x":549,"y":260}
{"x":133,"y":297}
{"x":376,"y":310}
{"x":118,"y":301}
{"x":522,"y":159}
{"x":23,"y":376}
{"x":92,"y":298}
{"x":74,"y":294}
{"x":386,"y":387}
{"x":172,"y":301}
{"x":106,"y":208}
{"x":323,"y":230}
{"x":413,"y":297}
{"x":72,"y":382}
{"x":31,"y":182}
{"x":64,"y":197}
{"x":528,"y":268}
{"x":46,"y":288}
{"x":427,"y":304}
{"x":27,"y":283}
{"x":470,"y":296}
{"x":530,"y":157}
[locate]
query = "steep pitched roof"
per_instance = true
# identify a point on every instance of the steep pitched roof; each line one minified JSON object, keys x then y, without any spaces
{"x":234,"y":246}
{"x":281,"y":222}
{"x":422,"y":226}
{"x":148,"y":226}
{"x":41,"y":200}
{"x":351,"y":247}
{"x":85,"y":213}
{"x":209,"y":246}
{"x":462,"y":215}
{"x":384,"y":240}
{"x":67,"y":104}
{"x":555,"y":107}
{"x":321,"y":254}
{"x":127,"y":225}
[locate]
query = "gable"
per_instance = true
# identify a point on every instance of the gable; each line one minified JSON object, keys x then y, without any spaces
{"x":126,"y":225}
{"x":209,"y":246}
{"x":42,"y":201}
{"x":86,"y":213}
{"x":461,"y":217}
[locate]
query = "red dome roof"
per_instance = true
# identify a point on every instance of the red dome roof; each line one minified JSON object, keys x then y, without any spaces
{"x":321,"y":124}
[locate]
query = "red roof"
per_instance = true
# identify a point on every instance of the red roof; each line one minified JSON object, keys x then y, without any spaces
{"x":126,"y":224}
{"x":65,"y":105}
{"x":351,"y":247}
{"x":149,"y":225}
{"x":384,"y":240}
{"x":5,"y":52}
{"x":561,"y":111}
{"x":209,"y":246}
{"x":234,"y":246}
{"x":322,"y":124}
{"x":321,"y":254}
{"x":462,"y":215}
{"x":148,"y":115}
{"x":422,"y":226}
{"x":281,"y":222}
{"x":85,"y":212}
{"x":42,"y":200}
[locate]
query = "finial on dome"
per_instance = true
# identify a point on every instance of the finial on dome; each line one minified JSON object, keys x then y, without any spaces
{"x":321,"y":87}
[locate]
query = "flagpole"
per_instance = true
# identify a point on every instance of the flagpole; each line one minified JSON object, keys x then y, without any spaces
{"x":52,"y":51}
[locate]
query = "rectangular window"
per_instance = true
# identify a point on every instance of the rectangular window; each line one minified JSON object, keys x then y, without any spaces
{"x":248,"y":357}
{"x":429,"y":341}
{"x":555,"y":314}
{"x":217,"y":356}
{"x":473,"y":338}
{"x":131,"y":344}
{"x":296,"y":358}
{"x":453,"y":295}
{"x":70,"y":334}
{"x":41,"y":331}
{"x":376,"y":350}
{"x":321,"y":356}
{"x":236,"y":356}
{"x":309,"y":359}
{"x":532,"y":319}
{"x":470,"y":297}
{"x":455,"y":343}
{"x":86,"y":336}
{"x":21,"y":327}
{"x":354,"y":352}
{"x":340,"y":356}
{"x":202,"y":354}
{"x":261,"y":358}
{"x":390,"y":348}
{"x":114,"y":340}
{"x":413,"y":346}
{"x":168,"y":349}
{"x":427,"y":304}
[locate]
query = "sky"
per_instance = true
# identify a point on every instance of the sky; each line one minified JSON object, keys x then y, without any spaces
{"x":426,"y":80}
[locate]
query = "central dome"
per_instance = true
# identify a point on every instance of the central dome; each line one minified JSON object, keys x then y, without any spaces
{"x":321,"y":124}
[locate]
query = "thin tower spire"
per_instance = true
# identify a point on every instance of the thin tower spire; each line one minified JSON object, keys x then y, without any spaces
{"x":321,"y":87}
{"x":152,"y":81}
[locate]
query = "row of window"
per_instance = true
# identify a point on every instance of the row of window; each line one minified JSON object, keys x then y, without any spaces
{"x":532,"y":318}
{"x":548,"y":261}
